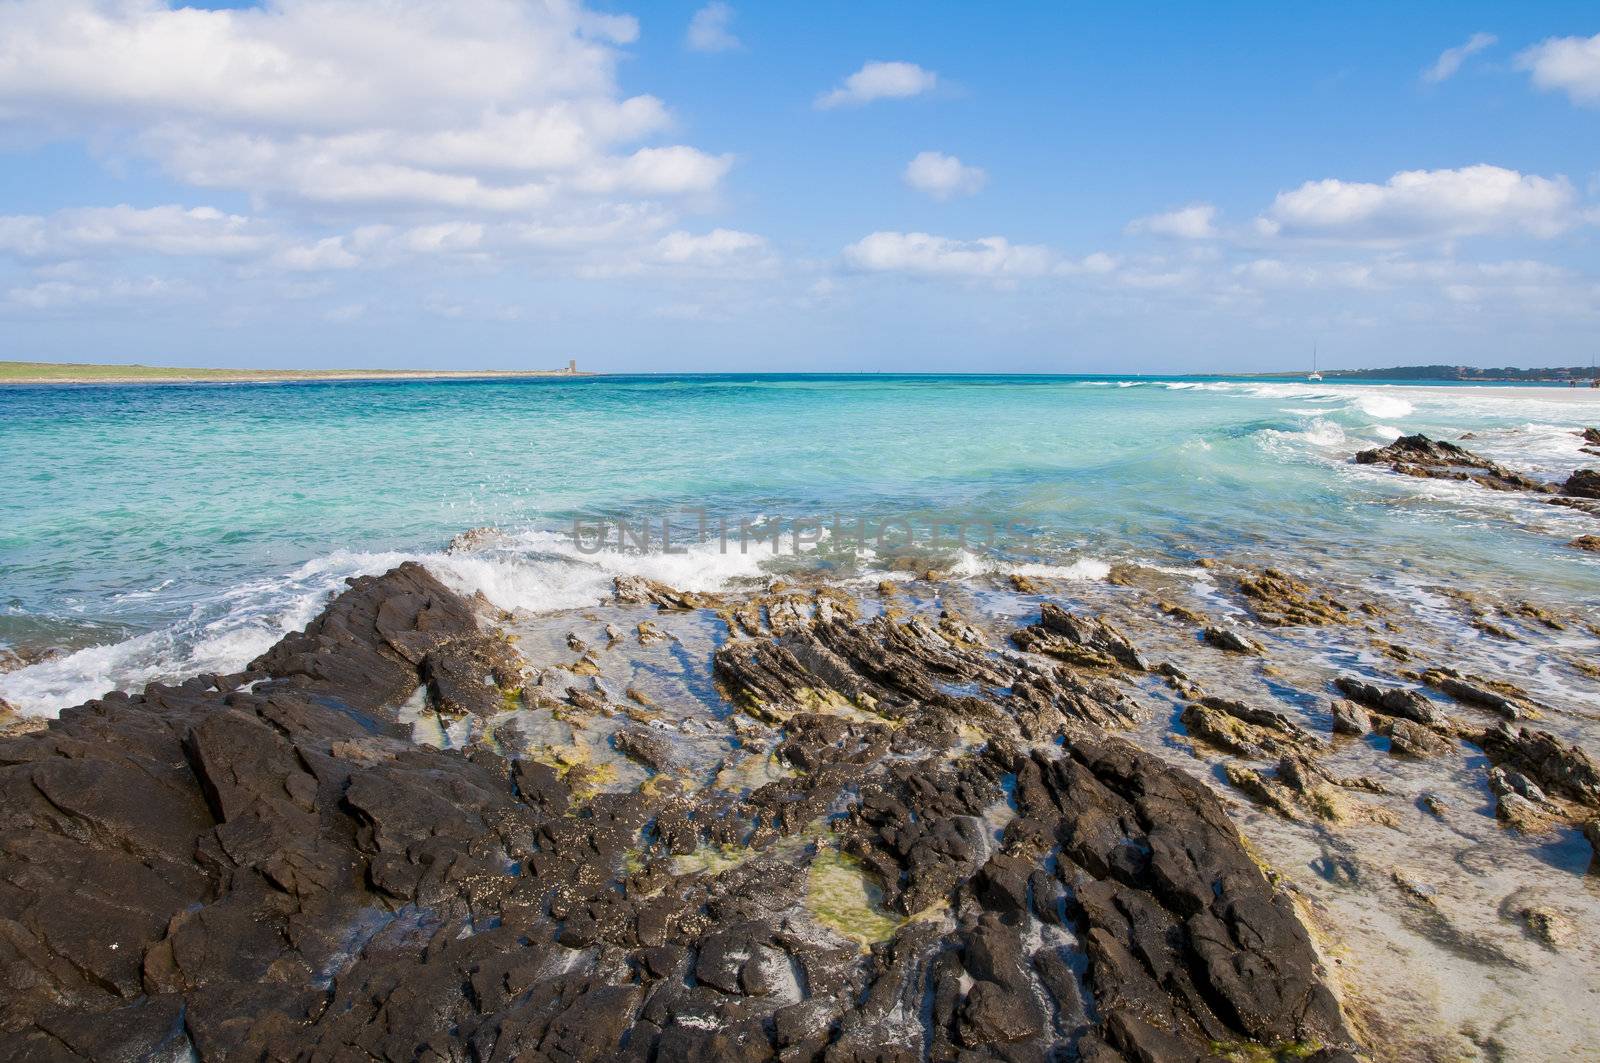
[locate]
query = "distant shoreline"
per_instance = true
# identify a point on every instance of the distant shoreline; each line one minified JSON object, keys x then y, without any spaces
{"x":84,"y":373}
{"x":69,"y":373}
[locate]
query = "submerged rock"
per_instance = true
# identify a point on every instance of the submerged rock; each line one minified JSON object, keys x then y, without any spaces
{"x":475,"y":539}
{"x":1226,"y":638}
{"x":1278,"y":598}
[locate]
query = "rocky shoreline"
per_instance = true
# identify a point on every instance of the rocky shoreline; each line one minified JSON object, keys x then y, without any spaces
{"x":264,"y":865}
{"x":875,"y":828}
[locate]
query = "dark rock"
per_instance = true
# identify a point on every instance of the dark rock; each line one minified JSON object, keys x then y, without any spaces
{"x":1498,"y":697}
{"x":1417,"y":455}
{"x":1079,"y":640}
{"x":1002,"y":886}
{"x":1349,"y":718}
{"x":1563,"y":770}
{"x":1410,"y":739}
{"x":1502,"y":782}
{"x":1244,"y":729}
{"x":651,"y":750}
{"x":279,"y":872}
{"x":1391,"y":701}
{"x":1590,"y":543}
{"x":1585,"y":483}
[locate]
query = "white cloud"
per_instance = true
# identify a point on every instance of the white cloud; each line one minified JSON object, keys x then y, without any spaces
{"x":944,"y":176}
{"x":1567,"y":64}
{"x":708,"y":29}
{"x":59,"y":295}
{"x":1424,"y":205}
{"x":329,"y":253}
{"x":1450,"y":59}
{"x":879,"y":81}
{"x":168,"y":230}
{"x":720,"y":252}
{"x":1194,"y":222}
{"x":719,"y":245}
{"x":992,"y":256}
{"x":1096,"y":264}
{"x":483,"y":105}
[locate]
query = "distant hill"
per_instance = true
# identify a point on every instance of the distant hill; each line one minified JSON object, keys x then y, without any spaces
{"x":1466,"y":372}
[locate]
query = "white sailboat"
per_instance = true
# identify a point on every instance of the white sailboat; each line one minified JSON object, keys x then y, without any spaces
{"x":1314,"y":374}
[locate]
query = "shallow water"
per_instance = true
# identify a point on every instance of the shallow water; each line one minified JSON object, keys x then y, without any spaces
{"x":164,"y":530}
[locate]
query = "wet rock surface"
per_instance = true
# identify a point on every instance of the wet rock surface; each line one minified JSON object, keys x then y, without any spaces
{"x":947,"y":853}
{"x":1417,"y":455}
{"x":1585,"y":483}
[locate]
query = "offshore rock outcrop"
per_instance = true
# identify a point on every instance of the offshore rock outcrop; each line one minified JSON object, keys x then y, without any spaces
{"x":263,"y":865}
{"x":1417,"y":455}
{"x":1584,"y":483}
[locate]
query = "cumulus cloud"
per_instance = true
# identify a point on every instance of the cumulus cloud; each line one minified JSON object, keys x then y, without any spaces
{"x":1450,"y":59}
{"x":1194,"y":222}
{"x":328,"y":253}
{"x":1566,"y":64}
{"x":1424,"y":205}
{"x":944,"y":176}
{"x":879,"y":81}
{"x":489,"y":105}
{"x":922,"y":253}
{"x":708,"y":29}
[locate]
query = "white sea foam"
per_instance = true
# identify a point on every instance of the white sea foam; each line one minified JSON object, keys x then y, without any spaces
{"x":1084,"y":570}
{"x":1319,"y":433}
{"x":537,"y":572}
{"x":1384,"y":406}
{"x":222,"y":634}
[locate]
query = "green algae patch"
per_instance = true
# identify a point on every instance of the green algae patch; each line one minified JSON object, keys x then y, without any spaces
{"x":576,"y":765}
{"x":842,"y":895}
{"x":1254,"y":1052}
{"x":710,"y":859}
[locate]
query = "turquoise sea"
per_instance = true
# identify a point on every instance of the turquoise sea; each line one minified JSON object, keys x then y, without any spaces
{"x":154,"y":531}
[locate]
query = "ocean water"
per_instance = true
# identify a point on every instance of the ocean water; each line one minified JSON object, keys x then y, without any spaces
{"x":151,"y":532}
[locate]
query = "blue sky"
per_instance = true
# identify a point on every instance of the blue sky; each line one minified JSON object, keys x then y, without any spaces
{"x":940,"y":186}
